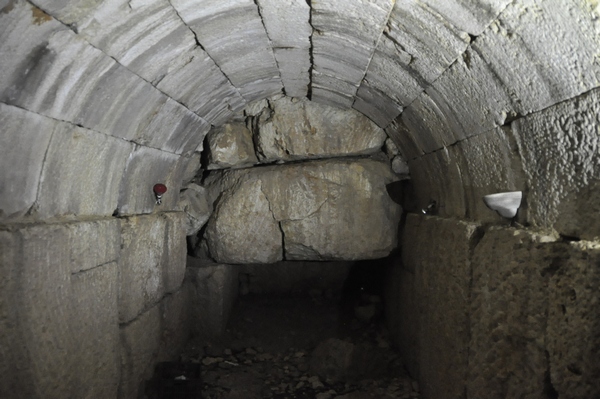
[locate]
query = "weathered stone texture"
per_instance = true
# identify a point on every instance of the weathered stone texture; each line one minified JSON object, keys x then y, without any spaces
{"x":95,"y":323}
{"x":442,"y":279}
{"x":140,"y":341}
{"x":142,"y":282}
{"x":243,"y":228}
{"x":543,"y":52}
{"x":300,"y":129}
{"x":175,"y":251}
{"x":422,"y":128}
{"x":348,"y":34}
{"x":573,"y":330}
{"x":82,"y":173}
{"x":288,"y":28}
{"x":105,"y":235}
{"x":56,"y":73}
{"x":146,"y":36}
{"x":61,"y":328}
{"x":376,"y":105}
{"x":213,"y":290}
{"x":230,"y":146}
{"x":469,"y":99}
{"x":146,"y":167}
{"x":332,"y":227}
{"x":224,"y":29}
{"x":190,"y":83}
{"x":196,"y":207}
{"x":417,"y":45}
{"x":23,"y":143}
{"x":509,"y":307}
{"x":174,"y":129}
{"x":471,"y":16}
{"x":559,"y":149}
{"x":305,"y":208}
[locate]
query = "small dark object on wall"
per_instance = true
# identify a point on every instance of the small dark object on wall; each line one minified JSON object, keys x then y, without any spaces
{"x":159,"y":189}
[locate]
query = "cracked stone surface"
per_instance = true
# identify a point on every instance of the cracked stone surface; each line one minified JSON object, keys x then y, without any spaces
{"x":302,"y":212}
{"x":290,"y":129}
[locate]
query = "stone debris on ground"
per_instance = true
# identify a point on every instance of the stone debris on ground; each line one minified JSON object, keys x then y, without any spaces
{"x":252,"y":363}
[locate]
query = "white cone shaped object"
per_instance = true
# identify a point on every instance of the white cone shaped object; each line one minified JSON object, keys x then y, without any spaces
{"x":506,"y":204}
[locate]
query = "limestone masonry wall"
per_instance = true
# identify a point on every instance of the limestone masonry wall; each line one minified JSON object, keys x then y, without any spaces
{"x":87,"y":307}
{"x":496,"y":312}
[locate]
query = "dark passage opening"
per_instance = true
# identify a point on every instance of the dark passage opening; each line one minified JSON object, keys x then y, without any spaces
{"x":311,"y":341}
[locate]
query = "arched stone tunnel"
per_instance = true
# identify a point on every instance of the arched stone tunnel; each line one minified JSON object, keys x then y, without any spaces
{"x":100,"y":101}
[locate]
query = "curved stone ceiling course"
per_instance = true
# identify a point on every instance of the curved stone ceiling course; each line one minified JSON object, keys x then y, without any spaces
{"x":101,"y":99}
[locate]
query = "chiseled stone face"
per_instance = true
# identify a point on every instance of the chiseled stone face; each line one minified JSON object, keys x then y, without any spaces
{"x":322,"y":210}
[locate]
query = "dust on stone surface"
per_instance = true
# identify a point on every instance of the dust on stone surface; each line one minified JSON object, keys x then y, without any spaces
{"x":268,"y":351}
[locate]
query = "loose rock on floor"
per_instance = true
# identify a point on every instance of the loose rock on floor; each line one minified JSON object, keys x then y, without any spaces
{"x":299,"y":348}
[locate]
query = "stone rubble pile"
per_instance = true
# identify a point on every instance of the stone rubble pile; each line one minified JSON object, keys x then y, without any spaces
{"x":254,"y":373}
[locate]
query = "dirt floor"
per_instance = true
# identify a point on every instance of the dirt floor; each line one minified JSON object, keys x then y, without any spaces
{"x":305,"y":346}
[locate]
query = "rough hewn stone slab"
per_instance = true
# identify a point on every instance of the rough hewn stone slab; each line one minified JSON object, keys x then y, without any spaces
{"x":559,"y":149}
{"x":573,"y":332}
{"x":23,"y":143}
{"x":305,"y":208}
{"x":175,"y":251}
{"x":242,"y":228}
{"x":191,"y":83}
{"x":543,"y":52}
{"x":347,"y":34}
{"x":174,"y":129}
{"x":146,"y":167}
{"x":140,"y":344}
{"x":288,"y":28}
{"x":230,"y":146}
{"x":142,"y":281}
{"x":61,"y":327}
{"x":300,"y":129}
{"x":82,"y":173}
{"x":509,"y":306}
{"x":58,"y":74}
{"x":442,"y":283}
{"x":471,"y":16}
{"x":376,"y":105}
{"x":417,"y":45}
{"x":145,"y":36}
{"x":225,"y":30}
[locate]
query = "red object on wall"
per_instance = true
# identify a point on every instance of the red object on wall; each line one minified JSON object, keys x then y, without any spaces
{"x":160,"y":189}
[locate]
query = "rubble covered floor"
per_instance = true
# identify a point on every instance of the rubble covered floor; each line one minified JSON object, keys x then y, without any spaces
{"x":298,"y":347}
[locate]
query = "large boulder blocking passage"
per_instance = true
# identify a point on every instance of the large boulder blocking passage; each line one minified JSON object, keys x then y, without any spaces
{"x":320,"y":210}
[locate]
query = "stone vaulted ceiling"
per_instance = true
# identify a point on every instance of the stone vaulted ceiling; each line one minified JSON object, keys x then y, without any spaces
{"x":99,"y":99}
